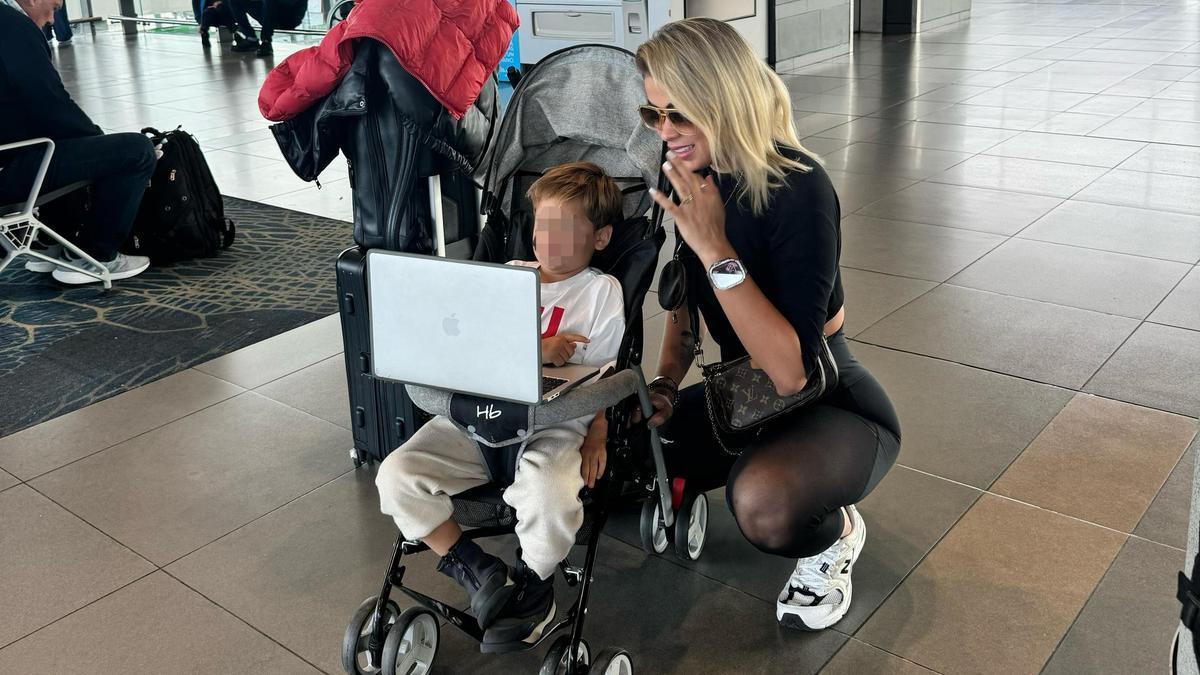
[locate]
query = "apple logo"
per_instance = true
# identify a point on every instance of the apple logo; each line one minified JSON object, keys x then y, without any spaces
{"x":450,"y":326}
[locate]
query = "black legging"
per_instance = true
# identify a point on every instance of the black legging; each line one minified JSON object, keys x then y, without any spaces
{"x":787,"y":488}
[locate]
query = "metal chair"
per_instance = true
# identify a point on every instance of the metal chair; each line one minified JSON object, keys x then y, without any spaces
{"x":20,"y":227}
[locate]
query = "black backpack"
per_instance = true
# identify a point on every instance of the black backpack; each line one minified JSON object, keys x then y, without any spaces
{"x":182,"y":215}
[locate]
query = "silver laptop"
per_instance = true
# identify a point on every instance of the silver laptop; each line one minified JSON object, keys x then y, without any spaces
{"x":462,"y":326}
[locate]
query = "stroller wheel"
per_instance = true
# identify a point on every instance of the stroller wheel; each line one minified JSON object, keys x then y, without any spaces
{"x":612,"y":662}
{"x":691,"y":526}
{"x":357,"y":656}
{"x":555,"y":662}
{"x":653,"y":532}
{"x":412,"y":644}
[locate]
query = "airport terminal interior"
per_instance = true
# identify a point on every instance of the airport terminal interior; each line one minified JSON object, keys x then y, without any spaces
{"x":1020,"y":202}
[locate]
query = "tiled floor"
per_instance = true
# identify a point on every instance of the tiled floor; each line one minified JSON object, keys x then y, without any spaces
{"x":1021,"y":242}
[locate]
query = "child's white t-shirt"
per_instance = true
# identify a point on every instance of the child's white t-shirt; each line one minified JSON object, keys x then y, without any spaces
{"x":590,"y":304}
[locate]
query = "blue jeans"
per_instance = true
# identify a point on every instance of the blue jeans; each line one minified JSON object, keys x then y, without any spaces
{"x":62,"y":26}
{"x":119,"y":166}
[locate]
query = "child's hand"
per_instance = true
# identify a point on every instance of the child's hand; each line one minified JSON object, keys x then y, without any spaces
{"x":559,"y":349}
{"x":595,"y":457}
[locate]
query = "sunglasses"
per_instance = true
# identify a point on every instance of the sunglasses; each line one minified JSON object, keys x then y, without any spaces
{"x":654,"y":118}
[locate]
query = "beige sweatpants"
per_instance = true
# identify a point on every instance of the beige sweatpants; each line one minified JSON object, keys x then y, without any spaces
{"x":417,"y":480}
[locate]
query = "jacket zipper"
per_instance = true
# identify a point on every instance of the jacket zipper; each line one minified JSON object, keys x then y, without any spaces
{"x":375,"y":148}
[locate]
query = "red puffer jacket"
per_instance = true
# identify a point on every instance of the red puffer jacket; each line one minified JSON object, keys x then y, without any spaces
{"x":451,"y":46}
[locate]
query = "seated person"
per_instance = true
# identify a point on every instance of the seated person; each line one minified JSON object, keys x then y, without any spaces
{"x":34,"y":103}
{"x":583,"y":321}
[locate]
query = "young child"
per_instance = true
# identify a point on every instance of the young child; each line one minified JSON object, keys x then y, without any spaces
{"x":583,"y":319}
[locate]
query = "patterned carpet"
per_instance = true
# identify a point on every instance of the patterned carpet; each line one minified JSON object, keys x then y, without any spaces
{"x":62,"y":348}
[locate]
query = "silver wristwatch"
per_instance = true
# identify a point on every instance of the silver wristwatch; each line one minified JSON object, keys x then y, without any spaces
{"x":726,"y":274}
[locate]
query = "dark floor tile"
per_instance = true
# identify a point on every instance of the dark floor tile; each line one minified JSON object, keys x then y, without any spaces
{"x":156,"y":625}
{"x":975,"y":589}
{"x":179,"y":487}
{"x":812,"y":123}
{"x":885,"y":160}
{"x":1159,"y":158}
{"x":333,"y":543}
{"x":943,"y":137}
{"x":1120,"y":229}
{"x":1053,"y":179}
{"x":1129,"y":623}
{"x":858,"y":657}
{"x":1166,"y":521}
{"x":861,"y":129}
{"x":857,"y":190}
{"x":958,"y":422}
{"x":1101,"y":281}
{"x":1099,"y":460}
{"x":963,"y":207}
{"x":870,"y":296}
{"x":908,"y":249}
{"x":1158,"y":367}
{"x":905,"y":516}
{"x":64,"y":439}
{"x":54,"y":563}
{"x":319,"y":390}
{"x":1038,"y":341}
{"x":1063,"y":148}
{"x":660,"y":614}
{"x":821,"y":146}
{"x":1182,"y":306}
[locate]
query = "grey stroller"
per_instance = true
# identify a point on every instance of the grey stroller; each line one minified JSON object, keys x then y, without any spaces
{"x":577,"y":104}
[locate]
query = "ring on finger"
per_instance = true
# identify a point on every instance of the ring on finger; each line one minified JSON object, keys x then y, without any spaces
{"x":688,"y":199}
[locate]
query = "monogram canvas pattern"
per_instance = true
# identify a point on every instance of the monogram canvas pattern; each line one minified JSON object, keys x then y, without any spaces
{"x":741,"y":398}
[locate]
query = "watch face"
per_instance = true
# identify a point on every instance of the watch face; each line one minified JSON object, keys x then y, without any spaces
{"x":727,"y":274}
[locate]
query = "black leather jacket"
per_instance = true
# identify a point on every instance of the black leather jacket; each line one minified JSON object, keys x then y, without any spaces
{"x":394,"y":135}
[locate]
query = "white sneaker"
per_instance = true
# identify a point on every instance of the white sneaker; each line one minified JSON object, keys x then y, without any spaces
{"x":818,"y":593}
{"x":121,"y":267}
{"x":41,"y":266}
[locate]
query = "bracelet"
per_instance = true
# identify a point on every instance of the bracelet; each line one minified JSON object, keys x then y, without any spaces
{"x":670,"y":383}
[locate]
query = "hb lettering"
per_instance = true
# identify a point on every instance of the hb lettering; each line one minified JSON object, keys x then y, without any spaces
{"x":489,"y":412}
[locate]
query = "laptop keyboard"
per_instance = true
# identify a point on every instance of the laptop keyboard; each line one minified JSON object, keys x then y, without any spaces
{"x":551,"y":383}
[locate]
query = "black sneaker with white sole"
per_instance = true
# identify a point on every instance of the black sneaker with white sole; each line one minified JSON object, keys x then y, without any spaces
{"x":529,"y":610}
{"x":121,"y":267}
{"x":483,"y":575}
{"x":242,"y":43}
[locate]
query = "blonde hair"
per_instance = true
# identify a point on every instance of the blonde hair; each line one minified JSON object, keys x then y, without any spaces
{"x":596,"y":190}
{"x":741,"y":106}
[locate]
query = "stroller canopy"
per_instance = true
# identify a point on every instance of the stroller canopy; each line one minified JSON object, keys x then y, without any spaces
{"x":578,"y":104}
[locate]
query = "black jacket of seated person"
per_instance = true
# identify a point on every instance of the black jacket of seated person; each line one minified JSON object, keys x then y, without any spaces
{"x":34,"y":103}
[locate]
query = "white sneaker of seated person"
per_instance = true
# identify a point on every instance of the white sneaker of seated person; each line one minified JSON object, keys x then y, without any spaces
{"x":41,"y":266}
{"x":818,"y":593}
{"x":121,"y":267}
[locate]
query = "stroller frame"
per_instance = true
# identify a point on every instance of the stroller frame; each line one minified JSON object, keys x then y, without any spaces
{"x":382,"y":634}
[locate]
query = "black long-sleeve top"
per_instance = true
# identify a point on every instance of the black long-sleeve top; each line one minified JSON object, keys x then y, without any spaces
{"x":791,"y":251}
{"x":33,"y":100}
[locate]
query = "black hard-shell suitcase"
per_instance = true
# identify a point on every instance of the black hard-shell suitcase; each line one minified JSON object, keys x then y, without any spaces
{"x":381,"y":414}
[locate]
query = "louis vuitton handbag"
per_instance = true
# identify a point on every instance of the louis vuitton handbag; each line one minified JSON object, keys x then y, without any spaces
{"x":742,"y":400}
